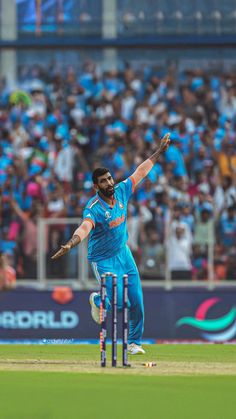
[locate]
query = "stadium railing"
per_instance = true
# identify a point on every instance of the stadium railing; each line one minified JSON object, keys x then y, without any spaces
{"x":74,"y":270}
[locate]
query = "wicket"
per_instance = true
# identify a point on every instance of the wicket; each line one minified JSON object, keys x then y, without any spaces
{"x":114,"y":320}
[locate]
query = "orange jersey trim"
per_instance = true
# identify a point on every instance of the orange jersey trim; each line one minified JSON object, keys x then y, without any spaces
{"x":133,"y":183}
{"x":91,"y":221}
{"x":113,"y":203}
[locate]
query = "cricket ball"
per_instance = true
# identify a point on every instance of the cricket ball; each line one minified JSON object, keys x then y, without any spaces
{"x":149,"y":364}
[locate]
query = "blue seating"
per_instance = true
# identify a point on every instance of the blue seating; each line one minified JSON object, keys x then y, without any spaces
{"x":141,"y":17}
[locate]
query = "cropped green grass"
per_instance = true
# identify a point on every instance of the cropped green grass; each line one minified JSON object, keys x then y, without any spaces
{"x":62,"y":395}
{"x":57,"y":395}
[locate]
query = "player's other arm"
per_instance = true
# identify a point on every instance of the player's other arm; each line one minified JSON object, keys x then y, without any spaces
{"x":144,"y":168}
{"x":79,"y":235}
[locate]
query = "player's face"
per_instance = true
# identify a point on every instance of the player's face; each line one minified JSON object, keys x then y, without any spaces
{"x":106,"y":184}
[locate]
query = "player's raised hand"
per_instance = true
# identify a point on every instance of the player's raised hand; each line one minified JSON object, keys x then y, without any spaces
{"x":64,"y":249}
{"x":165,"y":142}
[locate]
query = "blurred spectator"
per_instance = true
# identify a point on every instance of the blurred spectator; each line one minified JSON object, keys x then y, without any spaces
{"x":179,"y":251}
{"x":227,"y":228}
{"x":231,"y":264}
{"x":30,"y":234}
{"x":199,"y":262}
{"x":227,"y":158}
{"x":63,"y":162}
{"x":55,"y":201}
{"x":204,"y":226}
{"x":153,"y":257}
{"x":203,"y":238}
{"x":187,"y":216}
{"x":174,"y":158}
{"x":225,"y":194}
{"x":220,"y":263}
{"x":113,"y":160}
{"x":7,"y":273}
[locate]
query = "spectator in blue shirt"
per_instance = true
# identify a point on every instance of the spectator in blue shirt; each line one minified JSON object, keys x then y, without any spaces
{"x":174,"y":157}
{"x":227,"y":227}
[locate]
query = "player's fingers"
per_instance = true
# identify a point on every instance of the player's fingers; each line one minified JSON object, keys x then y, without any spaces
{"x":54,"y":256}
{"x":165,"y":143}
{"x":58,"y":254}
{"x":64,"y":249}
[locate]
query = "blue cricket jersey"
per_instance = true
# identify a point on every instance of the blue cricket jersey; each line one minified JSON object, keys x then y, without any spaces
{"x":109,"y":233}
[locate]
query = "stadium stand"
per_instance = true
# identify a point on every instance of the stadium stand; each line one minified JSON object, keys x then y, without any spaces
{"x":133,"y":17}
{"x":176,"y":16}
{"x":60,"y":124}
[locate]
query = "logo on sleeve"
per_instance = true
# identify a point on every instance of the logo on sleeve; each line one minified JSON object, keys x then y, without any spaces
{"x":121,"y":205}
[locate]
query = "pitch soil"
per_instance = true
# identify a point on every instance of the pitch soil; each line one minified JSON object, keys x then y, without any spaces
{"x":162,"y":368}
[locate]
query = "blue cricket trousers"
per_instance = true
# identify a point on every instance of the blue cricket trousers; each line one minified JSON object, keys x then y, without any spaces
{"x":123,"y":263}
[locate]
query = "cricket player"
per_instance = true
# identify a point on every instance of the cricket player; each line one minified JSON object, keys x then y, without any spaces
{"x":104,"y":221}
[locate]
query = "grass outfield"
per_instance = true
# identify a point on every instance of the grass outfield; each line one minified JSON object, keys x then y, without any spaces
{"x":66,"y":382}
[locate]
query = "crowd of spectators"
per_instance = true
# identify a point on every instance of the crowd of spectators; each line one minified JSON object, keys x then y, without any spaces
{"x":59,"y":124}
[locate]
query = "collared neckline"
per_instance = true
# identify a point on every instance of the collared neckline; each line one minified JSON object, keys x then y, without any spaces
{"x":104,"y":203}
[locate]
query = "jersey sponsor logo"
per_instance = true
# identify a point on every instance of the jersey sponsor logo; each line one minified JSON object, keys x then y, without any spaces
{"x":117,"y":222}
{"x":107,"y":215}
{"x":121,"y":205}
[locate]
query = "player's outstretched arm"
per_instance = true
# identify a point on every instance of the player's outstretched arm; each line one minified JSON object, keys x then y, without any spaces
{"x":144,"y":168}
{"x":80,"y":234}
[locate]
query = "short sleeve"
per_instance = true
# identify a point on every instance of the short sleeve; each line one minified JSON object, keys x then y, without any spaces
{"x":128,"y":187}
{"x":88,"y":215}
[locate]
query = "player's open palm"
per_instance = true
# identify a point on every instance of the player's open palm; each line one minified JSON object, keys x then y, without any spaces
{"x":64,"y":249}
{"x":165,"y":142}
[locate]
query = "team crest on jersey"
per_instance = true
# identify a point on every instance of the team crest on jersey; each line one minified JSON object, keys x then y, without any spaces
{"x":121,"y":205}
{"x":107,"y":215}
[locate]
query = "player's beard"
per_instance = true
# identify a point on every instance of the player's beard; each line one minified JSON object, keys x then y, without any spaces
{"x":108,"y":192}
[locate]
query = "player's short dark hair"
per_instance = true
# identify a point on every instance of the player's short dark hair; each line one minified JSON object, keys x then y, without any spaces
{"x":100,"y":171}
